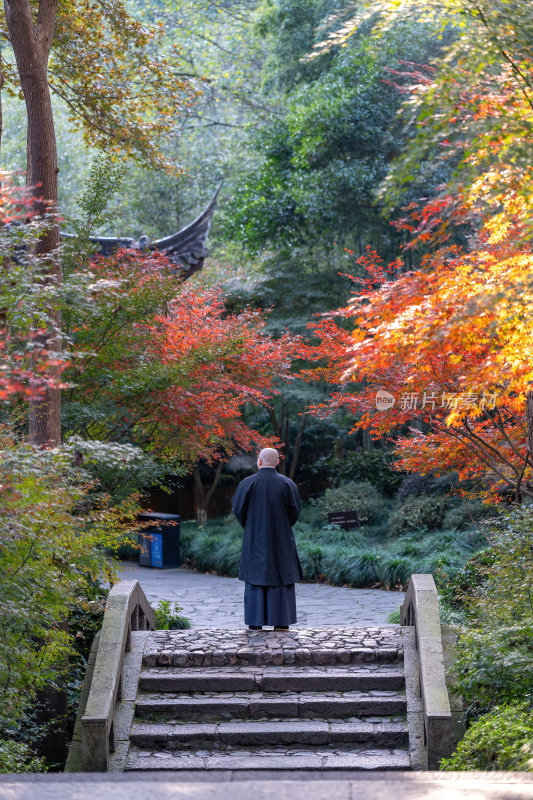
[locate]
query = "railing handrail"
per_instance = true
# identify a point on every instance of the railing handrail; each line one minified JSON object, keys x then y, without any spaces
{"x":127,"y":609}
{"x":420,"y":609}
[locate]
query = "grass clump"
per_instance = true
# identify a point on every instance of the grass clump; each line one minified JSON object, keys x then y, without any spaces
{"x":394,"y":617}
{"x":168,"y":618}
{"x":311,"y":560}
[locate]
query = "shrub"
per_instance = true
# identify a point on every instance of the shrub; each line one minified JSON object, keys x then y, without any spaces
{"x":188,"y":532}
{"x":416,"y":514}
{"x":407,"y":547}
{"x":362,"y":496}
{"x":494,"y":658}
{"x":169,"y":619}
{"x":204,"y":550}
{"x":215,"y":546}
{"x":500,"y":740}
{"x":376,"y":466}
{"x":229,"y":558}
{"x":19,"y":757}
{"x":52,"y":555}
{"x":456,"y":592}
{"x":467,"y":514}
{"x":414,"y":484}
{"x":495,"y":650}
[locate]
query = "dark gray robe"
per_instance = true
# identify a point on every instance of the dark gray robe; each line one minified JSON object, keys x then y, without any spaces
{"x":267,"y":504}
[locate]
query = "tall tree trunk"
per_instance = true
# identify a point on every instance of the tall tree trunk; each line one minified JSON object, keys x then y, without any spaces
{"x":297,"y":445}
{"x":368,"y":444}
{"x":529,"y":418}
{"x":285,"y":439}
{"x":529,"y":455}
{"x":31,"y":41}
{"x":202,"y":498}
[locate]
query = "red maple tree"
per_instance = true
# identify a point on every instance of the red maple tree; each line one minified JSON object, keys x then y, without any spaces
{"x":166,"y":365}
{"x":448,"y":346}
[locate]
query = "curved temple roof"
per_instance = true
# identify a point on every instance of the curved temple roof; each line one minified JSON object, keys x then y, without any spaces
{"x":186,"y":248}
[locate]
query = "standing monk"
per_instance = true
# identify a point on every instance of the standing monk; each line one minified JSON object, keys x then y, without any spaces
{"x":267,"y":504}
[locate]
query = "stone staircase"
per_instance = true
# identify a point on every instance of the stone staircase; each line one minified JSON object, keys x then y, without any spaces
{"x":310,"y":699}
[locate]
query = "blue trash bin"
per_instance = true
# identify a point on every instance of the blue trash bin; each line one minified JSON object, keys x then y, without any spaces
{"x":160,"y":541}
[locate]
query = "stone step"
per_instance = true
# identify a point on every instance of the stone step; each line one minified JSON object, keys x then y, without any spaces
{"x":202,"y":707}
{"x":274,"y":679}
{"x":284,"y":758}
{"x":260,"y":656}
{"x":168,"y":736}
{"x":307,"y":646}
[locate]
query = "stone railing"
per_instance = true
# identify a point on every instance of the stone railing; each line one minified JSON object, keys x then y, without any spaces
{"x":420,"y":610}
{"x":365,"y":785}
{"x":127,"y":610}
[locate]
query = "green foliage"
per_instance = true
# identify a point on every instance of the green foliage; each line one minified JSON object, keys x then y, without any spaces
{"x":335,"y":142}
{"x":394,"y":617}
{"x":213,"y":547}
{"x":396,"y":571}
{"x":19,"y":757}
{"x":52,"y":554}
{"x":414,"y":484}
{"x":167,"y":617}
{"x":27,"y":298}
{"x":468,"y":514}
{"x":457,"y":592}
{"x":104,"y":180}
{"x":293,"y":284}
{"x":488,"y":39}
{"x":495,"y":647}
{"x":289,"y":27}
{"x":216,"y":43}
{"x":423,"y":513}
{"x":499,"y":740}
{"x":311,"y":560}
{"x":119,"y":470}
{"x":361,"y":496}
{"x":375,"y":466}
{"x":490,"y":602}
{"x":363,"y":570}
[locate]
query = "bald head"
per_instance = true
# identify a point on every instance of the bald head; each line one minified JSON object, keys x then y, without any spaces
{"x":268,"y":457}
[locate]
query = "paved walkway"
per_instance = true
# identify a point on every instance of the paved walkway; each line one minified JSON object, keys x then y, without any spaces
{"x":211,"y":601}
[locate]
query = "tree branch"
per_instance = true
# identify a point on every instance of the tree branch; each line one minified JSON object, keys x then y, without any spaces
{"x":515,"y":68}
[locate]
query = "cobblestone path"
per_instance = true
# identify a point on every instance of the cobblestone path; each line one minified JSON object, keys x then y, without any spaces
{"x":212,"y":601}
